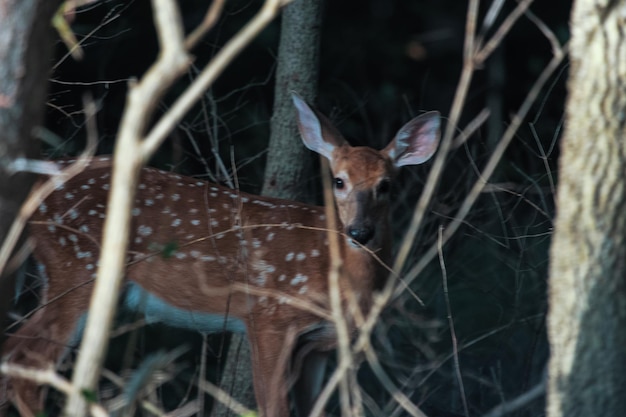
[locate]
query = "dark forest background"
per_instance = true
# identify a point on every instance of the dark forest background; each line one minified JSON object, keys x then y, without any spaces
{"x":382,"y":62}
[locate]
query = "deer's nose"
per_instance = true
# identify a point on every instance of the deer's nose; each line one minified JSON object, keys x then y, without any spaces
{"x":361,"y":234}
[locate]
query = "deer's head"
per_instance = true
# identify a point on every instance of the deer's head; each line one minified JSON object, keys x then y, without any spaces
{"x":362,"y":176}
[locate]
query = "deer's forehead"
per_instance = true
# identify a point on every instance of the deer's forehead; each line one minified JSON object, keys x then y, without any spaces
{"x":362,"y":165}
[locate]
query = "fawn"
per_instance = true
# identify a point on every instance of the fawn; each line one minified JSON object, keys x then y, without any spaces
{"x":208,"y":258}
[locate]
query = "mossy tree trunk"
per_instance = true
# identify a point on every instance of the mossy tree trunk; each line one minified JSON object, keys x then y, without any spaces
{"x":587,"y":290}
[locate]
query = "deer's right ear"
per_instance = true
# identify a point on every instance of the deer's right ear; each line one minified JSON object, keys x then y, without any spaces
{"x":317,"y":133}
{"x":416,"y":141}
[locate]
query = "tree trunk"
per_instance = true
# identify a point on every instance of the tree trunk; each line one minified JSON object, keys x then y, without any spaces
{"x":288,"y":162}
{"x":287,"y":166}
{"x":25,"y":50}
{"x":587,"y":290}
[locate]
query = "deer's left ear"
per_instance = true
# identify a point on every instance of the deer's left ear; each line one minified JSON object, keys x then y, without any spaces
{"x":416,"y":141}
{"x":316,"y":131}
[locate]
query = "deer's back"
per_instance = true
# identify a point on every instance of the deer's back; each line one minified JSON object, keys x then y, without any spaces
{"x":196,"y":249}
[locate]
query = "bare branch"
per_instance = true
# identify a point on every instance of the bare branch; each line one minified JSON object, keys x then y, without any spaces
{"x":217,"y":65}
{"x":141,"y":100}
{"x":47,"y":376}
{"x":209,"y":20}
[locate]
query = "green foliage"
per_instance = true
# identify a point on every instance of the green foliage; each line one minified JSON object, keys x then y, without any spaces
{"x":89,"y":395}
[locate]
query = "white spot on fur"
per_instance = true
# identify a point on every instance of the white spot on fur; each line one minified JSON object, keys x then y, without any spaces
{"x":299,"y":279}
{"x":144,"y":230}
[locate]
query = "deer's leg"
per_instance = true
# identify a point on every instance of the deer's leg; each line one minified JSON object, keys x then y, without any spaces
{"x":42,"y":340}
{"x":271,"y":353}
{"x":309,"y":381}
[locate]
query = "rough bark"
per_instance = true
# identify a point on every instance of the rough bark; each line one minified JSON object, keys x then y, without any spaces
{"x":587,"y":289}
{"x":287,"y":160}
{"x":26,"y":40}
{"x":298,"y":56}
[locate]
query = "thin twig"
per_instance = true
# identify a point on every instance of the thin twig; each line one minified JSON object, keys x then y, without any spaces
{"x":223,"y":397}
{"x":495,"y":158}
{"x":210,"y":18}
{"x":341,"y":327}
{"x":504,"y":28}
{"x":471,"y":128}
{"x":398,"y":395}
{"x":518,"y":402}
{"x":455,"y":347}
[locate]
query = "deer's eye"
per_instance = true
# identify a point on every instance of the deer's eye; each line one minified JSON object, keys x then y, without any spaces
{"x":339,"y":184}
{"x":384,"y":187}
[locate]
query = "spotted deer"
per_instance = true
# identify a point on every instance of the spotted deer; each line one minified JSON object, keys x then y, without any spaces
{"x":209,"y":258}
